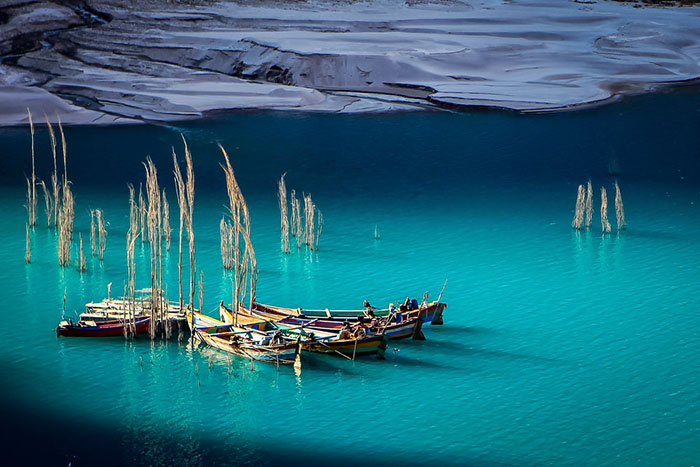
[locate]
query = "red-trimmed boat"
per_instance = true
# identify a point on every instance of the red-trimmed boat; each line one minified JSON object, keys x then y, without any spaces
{"x":349,"y":341}
{"x":106,"y":328}
{"x":396,"y":325}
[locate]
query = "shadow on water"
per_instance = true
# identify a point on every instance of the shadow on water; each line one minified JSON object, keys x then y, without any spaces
{"x":41,"y":435}
{"x":398,"y":359}
{"x":465,"y":349}
{"x":468,"y":330}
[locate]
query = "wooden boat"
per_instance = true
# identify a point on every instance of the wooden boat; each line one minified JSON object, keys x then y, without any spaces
{"x":430,"y":312}
{"x":106,"y":328}
{"x":329,"y":341}
{"x":118,"y":309}
{"x":246,"y":342}
{"x":398,"y":325}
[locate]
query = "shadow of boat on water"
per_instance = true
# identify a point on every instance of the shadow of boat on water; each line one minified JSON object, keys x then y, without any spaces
{"x":396,"y":358}
{"x":464,"y":349}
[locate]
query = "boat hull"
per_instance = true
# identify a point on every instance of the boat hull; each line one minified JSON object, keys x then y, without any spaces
{"x":218,"y":335}
{"x":395,"y":330}
{"x":100,"y":329}
{"x":282,"y":353}
{"x":349,"y":347}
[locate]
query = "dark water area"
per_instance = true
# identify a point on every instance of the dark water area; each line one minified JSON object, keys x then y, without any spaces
{"x":559,"y":347}
{"x":647,"y":138}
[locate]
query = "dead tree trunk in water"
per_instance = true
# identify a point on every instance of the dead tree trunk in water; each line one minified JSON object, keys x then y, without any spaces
{"x":619,"y":209}
{"x":284,"y":218}
{"x":580,"y":207}
{"x":604,"y":211}
{"x":31,"y":208}
{"x":589,"y":205}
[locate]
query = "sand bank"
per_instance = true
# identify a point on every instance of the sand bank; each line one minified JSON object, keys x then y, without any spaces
{"x":155,"y":61}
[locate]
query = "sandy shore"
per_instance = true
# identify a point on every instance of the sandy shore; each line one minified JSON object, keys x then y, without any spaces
{"x":125,"y":62}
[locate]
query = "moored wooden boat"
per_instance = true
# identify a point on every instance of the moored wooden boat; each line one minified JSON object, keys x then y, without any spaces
{"x":106,"y":328}
{"x":119,"y":308}
{"x":349,"y":341}
{"x":246,"y":342}
{"x":430,"y":312}
{"x":398,"y":325}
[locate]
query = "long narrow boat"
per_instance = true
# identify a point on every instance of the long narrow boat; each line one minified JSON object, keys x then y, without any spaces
{"x":329,"y":341}
{"x":398,"y":325}
{"x":118,"y":309}
{"x":106,"y":328}
{"x":245,"y":342}
{"x":430,"y":312}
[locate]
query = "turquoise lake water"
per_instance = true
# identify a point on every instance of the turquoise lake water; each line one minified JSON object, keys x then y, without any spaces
{"x":559,"y":348}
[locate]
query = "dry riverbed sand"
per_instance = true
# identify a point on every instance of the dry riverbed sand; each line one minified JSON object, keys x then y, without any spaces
{"x":121,"y":61}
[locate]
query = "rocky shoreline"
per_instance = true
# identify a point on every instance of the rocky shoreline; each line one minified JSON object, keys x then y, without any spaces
{"x":110,"y":62}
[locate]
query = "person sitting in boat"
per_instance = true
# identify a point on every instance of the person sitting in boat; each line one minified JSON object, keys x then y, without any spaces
{"x":404,"y":306}
{"x":374,"y":325}
{"x":277,"y":337}
{"x":394,"y":314}
{"x":359,"y":331}
{"x":345,"y":332}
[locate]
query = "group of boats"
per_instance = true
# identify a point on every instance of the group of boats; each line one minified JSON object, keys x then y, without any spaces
{"x":113,"y":317}
{"x":270,"y":333}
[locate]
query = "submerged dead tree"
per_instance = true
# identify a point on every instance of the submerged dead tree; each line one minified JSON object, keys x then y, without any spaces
{"x":319,"y":226}
{"x":313,"y":223}
{"x":184,"y":189}
{"x":589,"y":204}
{"x":131,"y":236}
{"x":309,"y":215}
{"x":54,"y":175}
{"x":245,"y":275}
{"x":142,"y":216}
{"x":93,"y":237}
{"x":604,"y":211}
{"x":133,"y":213}
{"x":65,"y":225}
{"x":66,"y":212}
{"x":28,"y":247}
{"x":166,"y":221}
{"x":182,"y":205}
{"x":82,"y":264}
{"x":200,"y":287}
{"x":31,"y":207}
{"x":47,"y":202}
{"x":28,"y":204}
{"x":226,"y":234}
{"x":297,"y":231}
{"x":189,"y":185}
{"x":101,"y":232}
{"x":619,"y":209}
{"x":154,"y":219}
{"x":580,"y":208}
{"x":284,"y":218}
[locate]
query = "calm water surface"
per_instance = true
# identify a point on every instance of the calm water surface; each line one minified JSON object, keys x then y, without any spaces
{"x":558,"y":348}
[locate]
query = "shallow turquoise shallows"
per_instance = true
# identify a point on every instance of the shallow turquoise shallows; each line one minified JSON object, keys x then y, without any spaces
{"x":559,"y":347}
